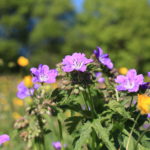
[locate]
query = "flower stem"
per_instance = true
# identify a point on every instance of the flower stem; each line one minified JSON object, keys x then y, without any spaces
{"x":117,"y":95}
{"x":128,"y":142}
{"x":61,"y":134}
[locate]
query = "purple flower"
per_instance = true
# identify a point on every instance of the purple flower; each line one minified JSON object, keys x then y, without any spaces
{"x":4,"y":138}
{"x":148,"y":74}
{"x":57,"y":145}
{"x":43,"y":74}
{"x":103,"y":58}
{"x":145,"y":85}
{"x":77,"y":61}
{"x":148,"y":115}
{"x":24,"y":92}
{"x":99,"y":77}
{"x":146,"y":126}
{"x":131,"y":82}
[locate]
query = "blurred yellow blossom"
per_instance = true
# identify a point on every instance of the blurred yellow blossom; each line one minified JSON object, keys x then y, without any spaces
{"x":18,"y":102}
{"x":144,"y":103}
{"x":123,"y":70}
{"x":16,"y":115}
{"x":28,"y":81}
{"x":22,"y":61}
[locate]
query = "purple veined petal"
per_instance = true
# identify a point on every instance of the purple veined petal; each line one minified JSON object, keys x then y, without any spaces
{"x":103,"y":58}
{"x":131,"y":74}
{"x":4,"y":138}
{"x":140,"y":79}
{"x":33,"y":70}
{"x":121,"y":88}
{"x":120,"y":79}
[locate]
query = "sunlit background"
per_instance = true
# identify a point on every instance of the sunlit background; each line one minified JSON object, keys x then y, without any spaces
{"x":36,"y":32}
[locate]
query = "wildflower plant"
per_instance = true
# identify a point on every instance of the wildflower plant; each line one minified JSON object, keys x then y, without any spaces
{"x":108,"y":111}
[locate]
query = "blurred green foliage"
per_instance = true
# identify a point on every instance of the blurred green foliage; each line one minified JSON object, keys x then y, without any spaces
{"x":46,"y":30}
{"x":120,"y":27}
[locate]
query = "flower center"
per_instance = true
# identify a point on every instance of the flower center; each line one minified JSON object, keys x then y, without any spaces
{"x":77,"y":65}
{"x":43,"y":77}
{"x":129,"y":85}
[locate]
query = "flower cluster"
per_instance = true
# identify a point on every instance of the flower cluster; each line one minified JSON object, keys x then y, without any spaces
{"x":85,"y":86}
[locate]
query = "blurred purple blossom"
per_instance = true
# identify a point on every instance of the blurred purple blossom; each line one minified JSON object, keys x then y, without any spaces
{"x":103,"y":58}
{"x":4,"y":138}
{"x":131,"y":82}
{"x":99,"y":77}
{"x":57,"y":145}
{"x":77,"y":61}
{"x":148,"y":74}
{"x":43,"y":74}
{"x":24,"y":92}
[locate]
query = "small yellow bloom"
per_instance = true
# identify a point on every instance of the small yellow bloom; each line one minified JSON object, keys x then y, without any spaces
{"x":144,"y":104}
{"x":28,"y":81}
{"x":18,"y":102}
{"x":16,"y":115}
{"x":123,"y":70}
{"x":22,"y":61}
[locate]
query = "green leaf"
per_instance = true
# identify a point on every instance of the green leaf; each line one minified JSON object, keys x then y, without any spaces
{"x":118,"y":108}
{"x":85,"y":134}
{"x":72,"y":123}
{"x":103,"y":134}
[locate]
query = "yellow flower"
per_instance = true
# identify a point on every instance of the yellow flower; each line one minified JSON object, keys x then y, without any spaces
{"x":16,"y":115}
{"x":144,"y":104}
{"x":123,"y":70}
{"x":28,"y":81}
{"x":18,"y":102}
{"x":22,"y":61}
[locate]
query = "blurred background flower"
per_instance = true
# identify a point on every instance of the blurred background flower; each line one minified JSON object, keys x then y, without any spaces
{"x":22,"y":61}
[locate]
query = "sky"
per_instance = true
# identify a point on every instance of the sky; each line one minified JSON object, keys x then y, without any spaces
{"x":78,"y":5}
